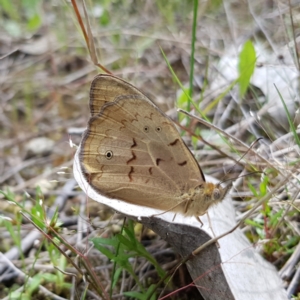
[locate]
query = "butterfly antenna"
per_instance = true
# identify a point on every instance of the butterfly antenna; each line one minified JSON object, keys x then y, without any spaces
{"x":199,"y":137}
{"x":250,"y":147}
{"x":241,"y":176}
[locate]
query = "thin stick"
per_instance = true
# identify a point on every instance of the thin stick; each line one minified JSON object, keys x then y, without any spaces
{"x":229,"y":136}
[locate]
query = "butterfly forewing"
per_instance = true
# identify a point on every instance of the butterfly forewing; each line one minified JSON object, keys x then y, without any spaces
{"x":106,"y":89}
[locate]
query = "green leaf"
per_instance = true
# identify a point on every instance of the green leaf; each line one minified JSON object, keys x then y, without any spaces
{"x":252,"y":189}
{"x":263,"y":186}
{"x":105,"y":18}
{"x":182,"y":101}
{"x":116,"y":276}
{"x":126,"y":242}
{"x":105,"y":251}
{"x":247,"y":60}
{"x":109,"y":242}
{"x":126,"y":246}
{"x":182,"y":98}
{"x":38,"y":214}
{"x":142,"y":296}
{"x":34,"y":22}
{"x":266,"y":211}
{"x":135,"y":295}
{"x":292,"y":241}
{"x":123,"y":262}
{"x":34,"y":283}
{"x":254,"y":224}
{"x":130,"y":232}
{"x":276,"y":217}
{"x":14,"y":232}
{"x":10,"y":9}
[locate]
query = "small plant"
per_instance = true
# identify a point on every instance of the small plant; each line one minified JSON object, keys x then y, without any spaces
{"x":121,"y":249}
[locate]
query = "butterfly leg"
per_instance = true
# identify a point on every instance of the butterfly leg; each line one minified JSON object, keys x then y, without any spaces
{"x":211,"y":228}
{"x":174,"y":217}
{"x":199,"y":220}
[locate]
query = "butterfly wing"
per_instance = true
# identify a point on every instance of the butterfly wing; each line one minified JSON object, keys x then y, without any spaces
{"x":132,"y":151}
{"x":106,"y":89}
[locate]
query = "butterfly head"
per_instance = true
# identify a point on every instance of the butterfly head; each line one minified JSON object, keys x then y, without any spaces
{"x":204,"y":196}
{"x":214,"y":193}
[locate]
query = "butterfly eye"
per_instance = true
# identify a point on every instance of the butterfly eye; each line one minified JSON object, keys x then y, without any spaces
{"x":216,"y":194}
{"x":146,"y":129}
{"x":158,"y":129}
{"x":109,"y":154}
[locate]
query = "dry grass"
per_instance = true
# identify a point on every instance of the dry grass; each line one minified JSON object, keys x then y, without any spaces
{"x":46,"y":71}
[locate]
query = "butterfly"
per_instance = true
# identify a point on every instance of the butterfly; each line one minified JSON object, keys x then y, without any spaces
{"x":132,"y":151}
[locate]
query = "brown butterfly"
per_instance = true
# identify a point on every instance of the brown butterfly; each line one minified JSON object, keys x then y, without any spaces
{"x":132,"y":151}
